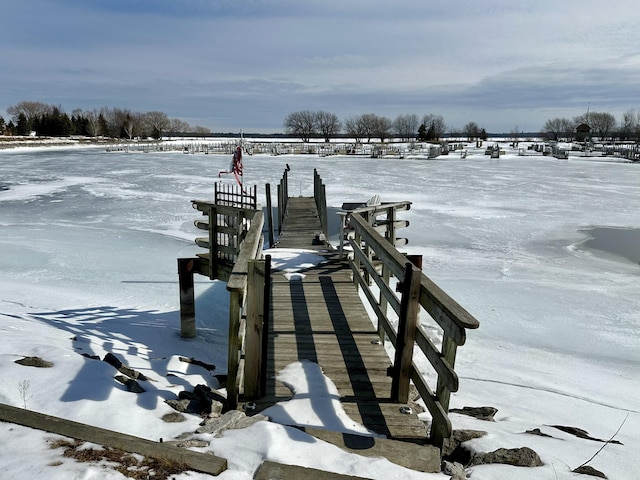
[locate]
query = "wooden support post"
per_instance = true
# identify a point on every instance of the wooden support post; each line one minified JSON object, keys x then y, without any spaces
{"x":443,"y":395}
{"x":280,"y":208}
{"x":323,"y":211}
{"x":449,"y":350}
{"x":407,"y":323}
{"x":384,"y":303}
{"x":269,"y":215}
{"x":187,"y":298}
{"x":368,"y":251}
{"x":416,"y":259}
{"x":255,"y":328}
{"x":390,"y":233}
{"x":357,"y":241}
{"x":285,"y":187}
{"x":266,"y":310}
{"x":235,"y":345}
{"x":343,"y":231}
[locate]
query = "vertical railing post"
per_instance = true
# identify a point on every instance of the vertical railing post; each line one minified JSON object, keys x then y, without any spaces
{"x":316,"y":179}
{"x":357,"y":243}
{"x":383,"y":302}
{"x":323,"y":211}
{"x":386,"y":273}
{"x":269,"y":215}
{"x":343,"y":232}
{"x":254,"y":328}
{"x":390,"y":231}
{"x":320,"y":197}
{"x":449,"y":349}
{"x":367,"y":250}
{"x":233,"y":360}
{"x":187,"y":298}
{"x":280,"y":207}
{"x":285,"y":188}
{"x":283,"y":197}
{"x":266,"y":312}
{"x":407,"y":323}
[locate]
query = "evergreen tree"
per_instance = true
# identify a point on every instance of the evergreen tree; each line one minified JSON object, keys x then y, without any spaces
{"x":422,"y":133}
{"x":431,"y":133}
{"x":80,"y":125}
{"x":23,"y":127}
{"x":103,"y":126}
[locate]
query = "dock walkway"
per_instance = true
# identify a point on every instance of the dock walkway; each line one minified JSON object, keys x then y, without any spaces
{"x":318,"y":316}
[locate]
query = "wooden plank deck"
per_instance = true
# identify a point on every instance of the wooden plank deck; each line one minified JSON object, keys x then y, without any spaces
{"x":321,"y":318}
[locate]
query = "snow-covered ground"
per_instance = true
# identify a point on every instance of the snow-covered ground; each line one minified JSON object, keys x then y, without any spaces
{"x":88,"y":249}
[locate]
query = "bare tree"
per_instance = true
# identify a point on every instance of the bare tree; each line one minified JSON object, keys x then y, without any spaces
{"x":157,"y":122}
{"x":115,"y":119}
{"x":471,"y":130}
{"x":627,"y":127}
{"x":368,"y":124}
{"x":128,"y":126}
{"x":177,"y":126}
{"x":198,"y":130}
{"x":382,"y":128}
{"x":636,"y":128}
{"x":93,"y":125}
{"x":406,"y":127}
{"x":515,"y":136}
{"x":354,"y":128}
{"x":31,"y":110}
{"x":302,"y":124}
{"x":557,"y":128}
{"x":602,"y":124}
{"x":327,"y":124}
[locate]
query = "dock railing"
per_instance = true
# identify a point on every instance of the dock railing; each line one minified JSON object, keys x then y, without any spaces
{"x":248,"y":287}
{"x":320,"y":197}
{"x":283,"y":196}
{"x":234,"y":244}
{"x":281,"y":206}
{"x":417,"y":294}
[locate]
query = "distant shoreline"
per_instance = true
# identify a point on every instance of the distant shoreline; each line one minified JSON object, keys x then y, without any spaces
{"x":16,"y":142}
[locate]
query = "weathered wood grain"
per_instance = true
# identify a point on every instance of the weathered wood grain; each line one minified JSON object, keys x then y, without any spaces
{"x":321,"y":318}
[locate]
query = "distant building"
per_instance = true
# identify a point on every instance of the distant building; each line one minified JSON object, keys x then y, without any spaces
{"x":583,"y":132}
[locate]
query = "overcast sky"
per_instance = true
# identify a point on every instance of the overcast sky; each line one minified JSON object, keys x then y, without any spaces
{"x":245,"y":64}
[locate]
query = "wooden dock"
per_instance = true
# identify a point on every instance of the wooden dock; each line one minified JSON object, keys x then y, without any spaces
{"x":319,"y":317}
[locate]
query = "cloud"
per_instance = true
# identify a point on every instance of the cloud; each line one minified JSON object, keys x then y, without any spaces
{"x":255,"y":61}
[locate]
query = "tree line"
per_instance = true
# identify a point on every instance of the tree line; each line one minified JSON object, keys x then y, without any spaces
{"x":53,"y":121}
{"x":307,"y":124}
{"x":602,"y":125}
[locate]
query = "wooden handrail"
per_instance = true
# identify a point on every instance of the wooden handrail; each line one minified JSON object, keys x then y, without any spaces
{"x":251,"y":249}
{"x":320,"y":197}
{"x":283,"y":197}
{"x":382,"y":208}
{"x":386,"y":253}
{"x":234,"y":243}
{"x":452,"y":318}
